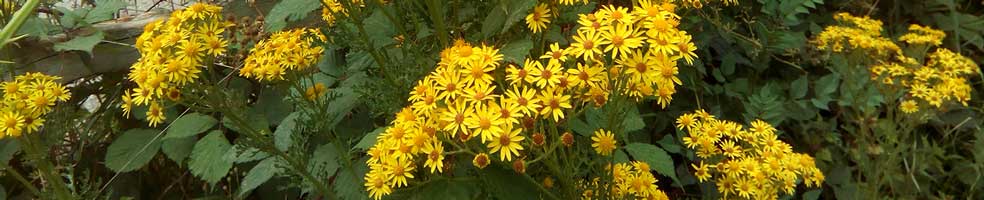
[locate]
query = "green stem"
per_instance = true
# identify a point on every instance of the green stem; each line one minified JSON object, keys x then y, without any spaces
{"x":436,"y":8}
{"x":33,"y":142}
{"x":15,"y":23}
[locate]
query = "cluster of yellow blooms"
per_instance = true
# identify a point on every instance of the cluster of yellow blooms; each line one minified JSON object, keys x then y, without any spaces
{"x":26,"y":100}
{"x":699,"y":4}
{"x":749,"y":163}
{"x":941,"y":78}
{"x":293,"y":50}
{"x":643,"y":44}
{"x":171,"y":53}
{"x":462,"y":99}
{"x":332,"y":8}
{"x":629,"y":180}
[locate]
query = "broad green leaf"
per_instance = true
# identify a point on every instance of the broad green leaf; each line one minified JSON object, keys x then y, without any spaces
{"x":518,"y":9}
{"x":580,"y":127}
{"x":207,"y":160}
{"x":493,"y":21}
{"x":289,"y":10}
{"x":823,"y":90}
{"x":380,"y":29}
{"x":177,"y":149}
{"x":799,"y":87}
{"x":81,"y":43}
{"x":271,"y":103}
{"x":669,"y":144}
{"x":104,"y":10}
{"x":658,"y":159}
{"x":256,"y":122}
{"x":632,"y":121}
{"x":283,"y":136}
{"x":189,"y":125}
{"x":8,"y":148}
{"x":447,"y":189}
{"x":324,"y":161}
{"x":369,"y":139}
{"x":507,"y":184}
{"x":516,"y":50}
{"x":812,"y":194}
{"x":132,"y":150}
{"x":349,"y":182}
{"x":258,"y":175}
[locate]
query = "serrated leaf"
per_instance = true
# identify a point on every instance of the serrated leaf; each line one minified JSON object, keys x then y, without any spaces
{"x":282,"y":137}
{"x":516,"y":50}
{"x":258,"y":175}
{"x":289,"y":10}
{"x":189,"y":125}
{"x":241,"y":154}
{"x":104,"y":10}
{"x":132,"y":150}
{"x":518,"y":9}
{"x":271,"y":103}
{"x":257,"y":122}
{"x":658,"y":159}
{"x":207,"y":160}
{"x":177,"y":149}
{"x":80,"y":43}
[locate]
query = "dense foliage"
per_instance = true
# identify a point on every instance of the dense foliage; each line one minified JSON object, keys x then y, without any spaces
{"x":492,"y":99}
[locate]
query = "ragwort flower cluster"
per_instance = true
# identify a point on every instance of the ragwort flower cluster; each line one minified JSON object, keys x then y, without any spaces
{"x":293,"y":50}
{"x":172,"y":53}
{"x":747,"y":163}
{"x":929,"y":81}
{"x":332,"y":9}
{"x":629,"y":181}
{"x":632,"y":51}
{"x":26,"y":100}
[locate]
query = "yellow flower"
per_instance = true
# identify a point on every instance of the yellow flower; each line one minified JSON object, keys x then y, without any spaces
{"x":479,"y":93}
{"x":484,"y":122}
{"x":701,"y":171}
{"x":454,"y":116}
{"x":909,"y":106}
{"x":538,"y":19}
{"x":525,"y":99}
{"x":507,"y":144}
{"x":481,"y":160}
{"x":449,"y":84}
{"x":399,"y":171}
{"x":155,"y":114}
{"x":13,"y":124}
{"x":586,"y":45}
{"x":553,"y":104}
{"x":435,"y":156}
{"x":376,"y":184}
{"x":686,"y":121}
{"x":556,"y":54}
{"x":545,"y":76}
{"x":615,"y":14}
{"x":621,"y":38}
{"x":604,"y":142}
{"x":518,"y":75}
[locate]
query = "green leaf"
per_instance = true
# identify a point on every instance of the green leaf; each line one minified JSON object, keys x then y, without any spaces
{"x":289,"y":10}
{"x":207,"y":160}
{"x":132,"y":150}
{"x":447,"y":189}
{"x":517,"y":50}
{"x":82,"y":43}
{"x":104,"y":10}
{"x":632,"y":121}
{"x":324,"y":161}
{"x":8,"y":148}
{"x":669,"y":144}
{"x":518,"y":9}
{"x":348,"y":183}
{"x":507,"y":184}
{"x":369,"y":139}
{"x":823,"y":89}
{"x":658,"y":159}
{"x":177,"y":149}
{"x":258,"y":175}
{"x":189,"y":125}
{"x":380,"y":29}
{"x":799,"y":87}
{"x":494,"y":21}
{"x":812,"y":194}
{"x":271,"y":103}
{"x":282,"y":137}
{"x":242,"y":154}
{"x":256,"y":122}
